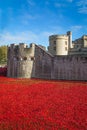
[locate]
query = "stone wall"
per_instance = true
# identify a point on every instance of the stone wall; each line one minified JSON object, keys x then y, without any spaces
{"x":59,"y":67}
{"x":43,"y":63}
{"x":35,"y":62}
{"x":70,"y":68}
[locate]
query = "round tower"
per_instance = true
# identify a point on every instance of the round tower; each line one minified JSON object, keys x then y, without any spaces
{"x":58,"y":44}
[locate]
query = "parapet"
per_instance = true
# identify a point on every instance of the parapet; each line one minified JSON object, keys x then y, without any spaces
{"x":21,"y":45}
{"x":57,"y":37}
{"x":21,"y":50}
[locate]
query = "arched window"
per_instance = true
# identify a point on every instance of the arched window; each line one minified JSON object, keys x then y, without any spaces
{"x":65,"y":42}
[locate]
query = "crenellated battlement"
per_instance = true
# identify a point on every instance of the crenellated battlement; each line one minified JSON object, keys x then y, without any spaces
{"x":60,"y":62}
{"x":21,"y":51}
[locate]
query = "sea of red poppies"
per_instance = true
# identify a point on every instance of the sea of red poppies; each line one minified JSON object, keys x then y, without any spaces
{"x":3,"y":71}
{"x":34,"y":104}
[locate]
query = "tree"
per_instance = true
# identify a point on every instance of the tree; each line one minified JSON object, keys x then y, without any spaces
{"x":3,"y":54}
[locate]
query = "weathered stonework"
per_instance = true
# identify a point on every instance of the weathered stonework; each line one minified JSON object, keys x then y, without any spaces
{"x":60,"y":44}
{"x":20,"y":61}
{"x":70,"y":67}
{"x":36,"y":62}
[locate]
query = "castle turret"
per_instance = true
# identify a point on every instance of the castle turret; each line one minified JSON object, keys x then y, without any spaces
{"x":58,"y":44}
{"x":21,"y":61}
{"x":69,"y":34}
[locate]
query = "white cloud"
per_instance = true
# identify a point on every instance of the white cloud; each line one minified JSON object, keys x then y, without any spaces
{"x":76,"y":28}
{"x":44,"y":37}
{"x":62,"y":4}
{"x":58,"y":29}
{"x":83,"y":10}
{"x":8,"y":37}
{"x":82,"y":6}
{"x":46,"y":34}
{"x":55,"y":3}
{"x":24,"y":37}
{"x":26,"y":17}
{"x":82,"y":3}
{"x":31,"y":2}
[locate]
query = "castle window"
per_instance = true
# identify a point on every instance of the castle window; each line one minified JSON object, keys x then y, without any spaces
{"x":66,"y":48}
{"x":25,"y":58}
{"x":32,"y":58}
{"x":65,"y":42}
{"x":54,"y":42}
{"x":17,"y":58}
{"x":85,"y":58}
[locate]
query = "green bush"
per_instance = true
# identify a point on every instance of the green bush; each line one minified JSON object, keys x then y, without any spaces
{"x":3,"y":55}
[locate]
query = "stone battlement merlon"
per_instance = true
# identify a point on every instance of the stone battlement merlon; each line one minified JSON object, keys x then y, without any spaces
{"x":21,"y":46}
{"x":13,"y":45}
{"x":57,"y":36}
{"x":21,"y":52}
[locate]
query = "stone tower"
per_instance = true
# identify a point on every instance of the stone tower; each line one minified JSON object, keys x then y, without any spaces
{"x":69,"y":34}
{"x":60,"y":44}
{"x":21,"y":61}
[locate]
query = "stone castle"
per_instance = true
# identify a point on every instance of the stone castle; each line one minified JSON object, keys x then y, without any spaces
{"x":64,"y":59}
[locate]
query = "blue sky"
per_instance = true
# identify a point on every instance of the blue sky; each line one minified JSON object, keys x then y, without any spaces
{"x":34,"y":20}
